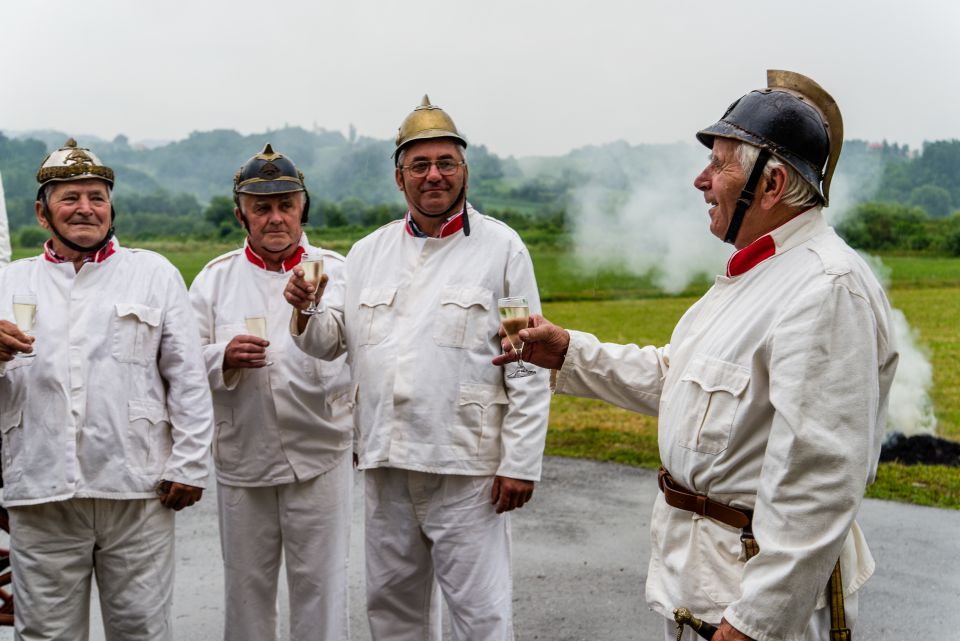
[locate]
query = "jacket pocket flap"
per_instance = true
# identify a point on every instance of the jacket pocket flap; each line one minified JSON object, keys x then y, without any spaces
{"x":466,"y":296}
{"x":715,"y":375}
{"x":10,"y":419}
{"x":483,"y":395}
{"x":153,"y":412}
{"x":374,"y":296}
{"x":146,"y":314}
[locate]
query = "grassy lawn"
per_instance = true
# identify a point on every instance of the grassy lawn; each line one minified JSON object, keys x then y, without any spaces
{"x":626,"y":308}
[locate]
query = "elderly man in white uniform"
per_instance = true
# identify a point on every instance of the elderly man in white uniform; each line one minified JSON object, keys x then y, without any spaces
{"x":105,"y":415}
{"x":449,"y":444}
{"x":772,"y":393}
{"x":283,"y":437}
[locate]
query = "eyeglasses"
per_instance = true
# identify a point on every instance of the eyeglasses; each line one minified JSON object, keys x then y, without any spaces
{"x":420,"y":168}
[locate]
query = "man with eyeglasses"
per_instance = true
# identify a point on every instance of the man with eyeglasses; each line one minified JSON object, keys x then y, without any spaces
{"x":449,"y":447}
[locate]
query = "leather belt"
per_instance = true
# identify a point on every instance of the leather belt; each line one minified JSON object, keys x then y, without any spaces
{"x":679,"y":497}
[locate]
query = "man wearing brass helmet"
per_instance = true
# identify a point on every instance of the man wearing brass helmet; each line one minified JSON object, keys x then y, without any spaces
{"x":771,"y":395}
{"x":105,"y":415}
{"x":283,"y":437}
{"x":449,"y":444}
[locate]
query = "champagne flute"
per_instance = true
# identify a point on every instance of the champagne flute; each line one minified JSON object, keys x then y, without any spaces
{"x":515,"y":315}
{"x":312,"y":267}
{"x":257,"y":326}
{"x":24,"y":314}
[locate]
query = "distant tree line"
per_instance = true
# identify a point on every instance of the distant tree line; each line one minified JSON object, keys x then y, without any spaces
{"x":181,"y":190}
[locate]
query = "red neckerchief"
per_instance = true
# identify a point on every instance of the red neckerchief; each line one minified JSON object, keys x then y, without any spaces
{"x":751,"y":255}
{"x":449,"y":228}
{"x":99,"y":256}
{"x":287,"y":265}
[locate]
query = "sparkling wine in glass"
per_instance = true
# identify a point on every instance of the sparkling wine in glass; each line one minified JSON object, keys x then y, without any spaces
{"x":514,"y":316}
{"x":24,"y":314}
{"x":312,"y":267}
{"x":257,"y":326}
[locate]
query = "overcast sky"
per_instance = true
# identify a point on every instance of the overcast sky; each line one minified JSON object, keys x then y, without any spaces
{"x":524,"y":77}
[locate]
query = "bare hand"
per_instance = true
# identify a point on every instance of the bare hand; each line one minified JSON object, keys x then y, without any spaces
{"x":726,"y":632}
{"x":300,"y":293}
{"x":177,"y":496}
{"x":544,"y":344}
{"x":245,"y":351}
{"x":509,"y":494}
{"x":12,"y":340}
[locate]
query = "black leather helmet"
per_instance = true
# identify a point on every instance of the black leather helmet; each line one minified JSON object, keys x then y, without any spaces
{"x":793,"y":118}
{"x":270,"y":173}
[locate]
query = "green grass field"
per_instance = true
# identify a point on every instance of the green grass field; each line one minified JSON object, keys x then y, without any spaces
{"x":626,"y":308}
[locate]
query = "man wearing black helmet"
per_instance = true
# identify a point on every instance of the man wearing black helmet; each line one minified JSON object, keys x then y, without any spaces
{"x":771,"y":395}
{"x":105,"y":415}
{"x":450,"y":445}
{"x":283,"y":437}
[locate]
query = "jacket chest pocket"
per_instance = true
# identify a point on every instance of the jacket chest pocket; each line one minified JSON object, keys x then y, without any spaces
{"x":462,"y":316}
{"x":374,"y":313}
{"x":707,"y":399}
{"x":136,"y":333}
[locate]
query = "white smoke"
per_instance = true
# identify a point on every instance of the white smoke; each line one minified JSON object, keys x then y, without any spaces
{"x":650,"y":219}
{"x":911,"y":408}
{"x":639,"y":210}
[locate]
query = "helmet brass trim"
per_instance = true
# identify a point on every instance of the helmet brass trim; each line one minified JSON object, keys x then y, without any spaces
{"x":806,"y":88}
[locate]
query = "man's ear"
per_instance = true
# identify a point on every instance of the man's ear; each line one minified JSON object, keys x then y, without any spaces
{"x":38,"y":210}
{"x":774,"y":188}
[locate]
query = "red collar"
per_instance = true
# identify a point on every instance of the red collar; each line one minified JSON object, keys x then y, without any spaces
{"x":449,"y":228}
{"x":751,"y":255}
{"x":99,"y":256}
{"x":288,"y":264}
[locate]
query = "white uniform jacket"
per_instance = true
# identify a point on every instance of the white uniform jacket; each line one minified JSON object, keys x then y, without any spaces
{"x":419,"y":324}
{"x":289,"y":421}
{"x":116,"y":398}
{"x":771,"y":396}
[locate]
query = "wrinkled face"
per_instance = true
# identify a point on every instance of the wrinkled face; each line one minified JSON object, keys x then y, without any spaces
{"x":721,"y":182}
{"x":273,"y":222}
{"x":433,"y":193}
{"x":80,"y":210}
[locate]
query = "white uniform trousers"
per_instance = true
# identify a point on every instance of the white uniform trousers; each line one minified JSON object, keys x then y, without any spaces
{"x":126,"y":543}
{"x":425,"y":530}
{"x":308,"y":525}
{"x":817,"y":630}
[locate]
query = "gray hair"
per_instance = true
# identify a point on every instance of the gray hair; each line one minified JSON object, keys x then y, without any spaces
{"x":460,"y":146}
{"x":799,"y":192}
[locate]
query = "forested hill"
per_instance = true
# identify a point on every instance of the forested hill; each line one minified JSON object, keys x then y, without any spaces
{"x":349,"y":177}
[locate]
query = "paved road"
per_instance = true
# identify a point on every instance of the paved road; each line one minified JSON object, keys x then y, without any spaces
{"x":580,"y":555}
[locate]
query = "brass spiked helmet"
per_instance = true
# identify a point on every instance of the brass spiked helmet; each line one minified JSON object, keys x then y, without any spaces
{"x":424,"y":122}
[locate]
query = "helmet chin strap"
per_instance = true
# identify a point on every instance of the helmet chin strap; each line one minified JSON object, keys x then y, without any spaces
{"x":746,"y":197}
{"x":72,"y":245}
